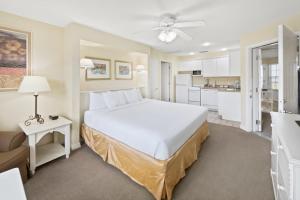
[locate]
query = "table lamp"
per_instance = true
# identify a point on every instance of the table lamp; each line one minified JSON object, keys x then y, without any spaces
{"x":35,"y":85}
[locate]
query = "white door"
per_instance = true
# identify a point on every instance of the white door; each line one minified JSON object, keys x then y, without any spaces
{"x":288,"y":74}
{"x":257,"y":89}
{"x":165,"y":81}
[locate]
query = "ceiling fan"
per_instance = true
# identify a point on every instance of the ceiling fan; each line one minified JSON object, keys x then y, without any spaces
{"x":170,"y":28}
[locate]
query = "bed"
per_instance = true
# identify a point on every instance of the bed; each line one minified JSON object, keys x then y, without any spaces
{"x":151,"y":141}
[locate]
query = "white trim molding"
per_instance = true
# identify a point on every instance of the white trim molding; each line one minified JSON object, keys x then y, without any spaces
{"x":248,"y":115}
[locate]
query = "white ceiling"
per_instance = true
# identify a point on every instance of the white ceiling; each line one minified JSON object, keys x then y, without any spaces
{"x":226,"y":20}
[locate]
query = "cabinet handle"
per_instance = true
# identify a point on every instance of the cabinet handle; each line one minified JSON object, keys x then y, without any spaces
{"x":273,"y":153}
{"x":280,"y":187}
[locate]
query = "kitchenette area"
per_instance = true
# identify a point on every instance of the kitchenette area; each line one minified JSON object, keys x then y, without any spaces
{"x":212,"y":82}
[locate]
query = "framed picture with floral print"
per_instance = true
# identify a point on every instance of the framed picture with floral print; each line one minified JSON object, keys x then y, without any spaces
{"x":100,"y":71}
{"x":123,"y":70}
{"x":15,"y":52}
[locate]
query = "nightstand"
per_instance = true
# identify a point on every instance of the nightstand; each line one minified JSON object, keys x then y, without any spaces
{"x":42,"y":154}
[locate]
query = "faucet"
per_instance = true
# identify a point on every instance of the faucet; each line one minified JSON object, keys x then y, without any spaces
{"x":207,"y":82}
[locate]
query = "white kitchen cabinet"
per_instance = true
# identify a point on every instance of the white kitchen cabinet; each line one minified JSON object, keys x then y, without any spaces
{"x":234,"y":63}
{"x":209,"y":67}
{"x":222,"y":66}
{"x":229,"y":105}
{"x":209,"y":99}
{"x":190,"y":65}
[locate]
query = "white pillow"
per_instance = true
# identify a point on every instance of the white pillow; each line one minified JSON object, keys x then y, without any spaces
{"x":96,"y":101}
{"x":114,"y":99}
{"x":133,"y":96}
{"x":139,"y":94}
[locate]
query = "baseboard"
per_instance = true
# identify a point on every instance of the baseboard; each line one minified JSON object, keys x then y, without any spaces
{"x":75,"y":146}
{"x":244,"y":128}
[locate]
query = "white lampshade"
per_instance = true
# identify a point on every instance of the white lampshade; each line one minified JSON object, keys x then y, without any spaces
{"x":86,"y":63}
{"x":34,"y":84}
{"x":167,"y":36}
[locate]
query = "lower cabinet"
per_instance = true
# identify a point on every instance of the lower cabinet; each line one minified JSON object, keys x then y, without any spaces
{"x":209,"y":99}
{"x":229,"y":105}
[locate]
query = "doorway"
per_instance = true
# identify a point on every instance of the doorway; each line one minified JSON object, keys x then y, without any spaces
{"x":265,"y":86}
{"x":166,"y":81}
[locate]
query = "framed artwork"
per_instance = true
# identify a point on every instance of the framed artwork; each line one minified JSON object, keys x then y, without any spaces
{"x":123,"y":70}
{"x":15,"y":52}
{"x":100,"y":71}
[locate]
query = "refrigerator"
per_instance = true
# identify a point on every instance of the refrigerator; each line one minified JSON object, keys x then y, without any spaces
{"x":183,"y":82}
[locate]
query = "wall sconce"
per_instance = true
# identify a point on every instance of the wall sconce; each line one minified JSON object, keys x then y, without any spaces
{"x":86,"y":63}
{"x":140,"y":68}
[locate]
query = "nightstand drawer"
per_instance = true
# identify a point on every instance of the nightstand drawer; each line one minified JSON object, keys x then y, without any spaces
{"x":282,"y":187}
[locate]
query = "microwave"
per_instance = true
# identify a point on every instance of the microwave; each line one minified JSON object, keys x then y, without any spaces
{"x":197,"y":72}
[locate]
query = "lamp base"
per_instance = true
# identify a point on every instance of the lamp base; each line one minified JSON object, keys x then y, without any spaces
{"x":38,"y":118}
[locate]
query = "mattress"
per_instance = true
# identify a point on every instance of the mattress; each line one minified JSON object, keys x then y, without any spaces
{"x":153,"y":127}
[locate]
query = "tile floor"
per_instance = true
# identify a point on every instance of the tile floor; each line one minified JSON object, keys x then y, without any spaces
{"x":213,"y":117}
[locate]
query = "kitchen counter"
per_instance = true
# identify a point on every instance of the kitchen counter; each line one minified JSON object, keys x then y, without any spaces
{"x":220,"y":89}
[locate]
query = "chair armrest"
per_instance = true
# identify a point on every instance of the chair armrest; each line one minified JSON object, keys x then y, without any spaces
{"x":11,"y":140}
{"x":13,"y":158}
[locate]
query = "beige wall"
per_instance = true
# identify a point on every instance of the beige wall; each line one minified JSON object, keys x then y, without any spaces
{"x":113,"y":54}
{"x":265,"y":34}
{"x":155,"y":59}
{"x":47,"y":60}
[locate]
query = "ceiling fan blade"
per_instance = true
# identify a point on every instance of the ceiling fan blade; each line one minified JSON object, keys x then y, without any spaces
{"x":189,"y":24}
{"x":182,"y":34}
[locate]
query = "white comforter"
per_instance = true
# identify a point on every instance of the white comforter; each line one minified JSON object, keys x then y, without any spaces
{"x":153,"y":127}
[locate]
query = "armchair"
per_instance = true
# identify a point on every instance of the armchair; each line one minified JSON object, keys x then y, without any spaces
{"x":13,"y":153}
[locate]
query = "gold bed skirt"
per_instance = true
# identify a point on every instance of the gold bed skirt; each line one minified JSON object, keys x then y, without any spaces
{"x":159,"y":177}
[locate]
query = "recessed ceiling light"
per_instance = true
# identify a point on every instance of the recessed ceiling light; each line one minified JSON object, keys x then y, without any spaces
{"x":224,"y":49}
{"x":192,"y":53}
{"x":206,"y":44}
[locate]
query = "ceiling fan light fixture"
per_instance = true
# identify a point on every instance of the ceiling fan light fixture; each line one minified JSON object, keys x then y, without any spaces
{"x":167,"y":36}
{"x":206,"y":44}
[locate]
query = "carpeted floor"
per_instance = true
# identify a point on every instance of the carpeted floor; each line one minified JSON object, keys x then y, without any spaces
{"x":232,"y":165}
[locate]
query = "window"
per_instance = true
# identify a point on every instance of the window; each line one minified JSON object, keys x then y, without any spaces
{"x":274,"y":75}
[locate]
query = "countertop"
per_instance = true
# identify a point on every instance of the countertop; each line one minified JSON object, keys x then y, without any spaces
{"x":220,"y":89}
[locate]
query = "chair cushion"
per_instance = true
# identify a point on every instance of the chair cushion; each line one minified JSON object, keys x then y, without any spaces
{"x":11,"y":159}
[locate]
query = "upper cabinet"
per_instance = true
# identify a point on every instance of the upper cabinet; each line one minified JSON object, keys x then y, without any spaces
{"x":190,"y":65}
{"x":215,"y":67}
{"x":223,"y":66}
{"x":235,"y":63}
{"x":209,"y":67}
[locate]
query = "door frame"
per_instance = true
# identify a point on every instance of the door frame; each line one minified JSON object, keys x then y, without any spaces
{"x":161,"y":78}
{"x":247,"y":125}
